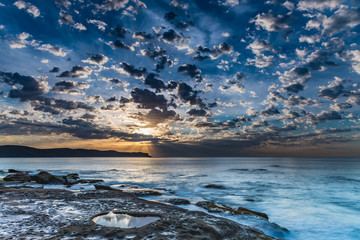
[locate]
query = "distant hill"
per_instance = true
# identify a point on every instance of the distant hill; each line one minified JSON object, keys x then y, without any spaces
{"x":23,"y":151}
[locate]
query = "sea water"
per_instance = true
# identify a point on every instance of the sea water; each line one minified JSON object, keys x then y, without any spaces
{"x":312,"y":198}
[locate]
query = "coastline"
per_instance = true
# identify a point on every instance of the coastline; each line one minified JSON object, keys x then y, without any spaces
{"x":58,"y":213}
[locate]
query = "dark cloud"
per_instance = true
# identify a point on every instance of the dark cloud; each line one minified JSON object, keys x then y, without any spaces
{"x":170,"y":16}
{"x":333,"y":90}
{"x":142,"y":36}
{"x":130,"y":70}
{"x":55,"y":70}
{"x":153,"y":82}
{"x":192,"y":71}
{"x":76,"y":72}
{"x":171,"y":36}
{"x":120,"y":44}
{"x":156,"y":116}
{"x":112,"y":99}
{"x":88,"y":116}
{"x":109,"y":107}
{"x":119,"y":32}
{"x":98,"y":59}
{"x":203,"y":53}
{"x":64,"y":86}
{"x":187,"y":94}
{"x":197,"y":112}
{"x":31,"y":88}
{"x":344,"y":19}
{"x":270,"y":111}
{"x":295,"y":88}
{"x":147,"y":99}
{"x":123,"y":101}
{"x":158,"y":54}
{"x":326,"y":116}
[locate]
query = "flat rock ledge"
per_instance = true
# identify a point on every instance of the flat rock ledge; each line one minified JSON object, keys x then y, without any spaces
{"x":28,"y":213}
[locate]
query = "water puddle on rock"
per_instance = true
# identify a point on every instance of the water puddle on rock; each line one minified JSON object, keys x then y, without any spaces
{"x":120,"y":220}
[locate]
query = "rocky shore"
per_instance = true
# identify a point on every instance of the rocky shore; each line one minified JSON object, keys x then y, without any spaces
{"x":41,"y":213}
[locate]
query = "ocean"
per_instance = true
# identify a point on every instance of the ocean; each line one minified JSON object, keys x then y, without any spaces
{"x":305,"y":198}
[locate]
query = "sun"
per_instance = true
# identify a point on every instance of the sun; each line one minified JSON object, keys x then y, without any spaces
{"x":146,"y":131}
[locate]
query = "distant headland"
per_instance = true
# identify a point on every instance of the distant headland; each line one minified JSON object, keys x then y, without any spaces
{"x":24,"y":151}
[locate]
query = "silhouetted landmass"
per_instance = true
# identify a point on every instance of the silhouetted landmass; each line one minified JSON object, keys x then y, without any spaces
{"x":23,"y":151}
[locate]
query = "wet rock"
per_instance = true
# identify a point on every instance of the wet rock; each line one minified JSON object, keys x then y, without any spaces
{"x":175,"y":201}
{"x":18,"y":177}
{"x":61,"y":214}
{"x":144,"y":192}
{"x":215,"y":186}
{"x":89,"y":181}
{"x":249,"y":200}
{"x":222,"y":208}
{"x":44,"y":177}
{"x":246,"y":211}
{"x":103,"y":187}
{"x":15,"y":171}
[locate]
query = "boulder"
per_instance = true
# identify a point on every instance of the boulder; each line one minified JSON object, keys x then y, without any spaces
{"x":89,"y":181}
{"x":144,"y":192}
{"x":44,"y":177}
{"x":216,"y":186}
{"x":175,"y":201}
{"x":103,"y":187}
{"x":18,"y":177}
{"x":245,"y":211}
{"x":222,"y":208}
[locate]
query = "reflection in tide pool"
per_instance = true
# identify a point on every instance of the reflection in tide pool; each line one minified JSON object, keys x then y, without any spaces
{"x":123,"y":220}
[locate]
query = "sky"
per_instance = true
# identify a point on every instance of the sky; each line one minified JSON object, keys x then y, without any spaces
{"x":182,"y":78}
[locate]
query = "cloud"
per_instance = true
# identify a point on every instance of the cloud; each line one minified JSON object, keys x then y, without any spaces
{"x":158,"y":54}
{"x":271,"y":110}
{"x":203,"y":53}
{"x":308,"y":5}
{"x":343,"y":19}
{"x":120,"y":44}
{"x":231,"y":3}
{"x":66,"y":19}
{"x":324,"y":116}
{"x":119,"y":32}
{"x":295,"y":88}
{"x":79,"y":27}
{"x":341,"y":106}
{"x":31,"y":9}
{"x":55,"y":70}
{"x":192,"y":71}
{"x":63,"y":3}
{"x":69,"y":87}
{"x":147,"y":99}
{"x":352,"y":56}
{"x":76,"y":72}
{"x":143,"y":36}
{"x":57,"y":51}
{"x":171,"y":36}
{"x":156,"y":116}
{"x":153,"y":82}
{"x":97,"y":59}
{"x":259,"y":46}
{"x":130,"y":70}
{"x":197,"y":112}
{"x":272,"y":22}
{"x":99,"y":24}
{"x":111,"y":5}
{"x":333,"y":90}
{"x":31,"y":88}
{"x":188,"y":95}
